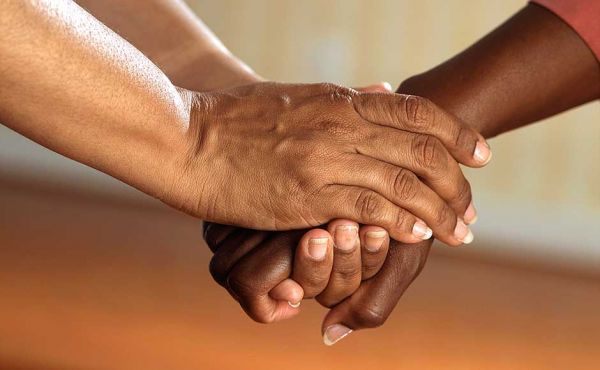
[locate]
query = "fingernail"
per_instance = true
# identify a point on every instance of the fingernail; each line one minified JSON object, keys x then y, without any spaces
{"x":374,"y":240}
{"x":471,"y":214}
{"x":421,"y":230}
{"x":387,"y":86}
{"x":463,"y":233}
{"x":335,"y":333}
{"x":482,"y":153}
{"x":317,"y":248}
{"x":345,"y":237}
{"x":294,"y":305}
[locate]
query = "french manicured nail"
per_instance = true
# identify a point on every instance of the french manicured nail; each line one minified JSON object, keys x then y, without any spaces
{"x":387,"y":86}
{"x":471,"y":215}
{"x":463,"y":233}
{"x":335,"y":333}
{"x":482,"y":153}
{"x":294,"y":305}
{"x":317,"y":248}
{"x":374,"y":240}
{"x":421,"y":230}
{"x":345,"y":237}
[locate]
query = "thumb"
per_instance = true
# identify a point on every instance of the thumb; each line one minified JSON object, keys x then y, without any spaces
{"x":374,"y":300}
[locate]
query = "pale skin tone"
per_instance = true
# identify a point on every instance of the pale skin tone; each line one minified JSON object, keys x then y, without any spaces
{"x":266,"y":156}
{"x":534,"y":64}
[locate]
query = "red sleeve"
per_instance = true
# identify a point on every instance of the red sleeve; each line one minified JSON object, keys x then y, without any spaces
{"x":582,"y":15}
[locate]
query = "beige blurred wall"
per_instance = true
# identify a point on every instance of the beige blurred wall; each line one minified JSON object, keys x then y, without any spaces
{"x":541,"y":194}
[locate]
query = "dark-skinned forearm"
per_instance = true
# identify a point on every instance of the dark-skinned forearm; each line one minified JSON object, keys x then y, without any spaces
{"x":531,"y":67}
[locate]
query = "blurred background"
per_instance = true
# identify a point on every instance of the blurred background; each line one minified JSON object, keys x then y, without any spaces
{"x":95,"y":275}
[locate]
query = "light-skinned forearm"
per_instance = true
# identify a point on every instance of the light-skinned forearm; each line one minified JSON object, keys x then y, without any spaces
{"x":72,"y":85}
{"x":176,"y":40}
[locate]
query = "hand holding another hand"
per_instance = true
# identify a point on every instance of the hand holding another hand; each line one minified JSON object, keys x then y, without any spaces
{"x":269,"y":273}
{"x":294,"y":156}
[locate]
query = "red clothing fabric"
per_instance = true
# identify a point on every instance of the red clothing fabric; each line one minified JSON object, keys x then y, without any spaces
{"x":582,"y":15}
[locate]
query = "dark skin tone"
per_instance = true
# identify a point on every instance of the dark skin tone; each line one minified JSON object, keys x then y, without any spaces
{"x":531,"y":67}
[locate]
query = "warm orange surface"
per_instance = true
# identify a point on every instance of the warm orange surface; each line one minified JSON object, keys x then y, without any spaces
{"x":100,"y":285}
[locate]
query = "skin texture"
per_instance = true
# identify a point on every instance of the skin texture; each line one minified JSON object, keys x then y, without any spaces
{"x":176,"y":40}
{"x":265,"y":155}
{"x":181,"y":45}
{"x":300,"y":152}
{"x":172,"y":37}
{"x":534,"y":65}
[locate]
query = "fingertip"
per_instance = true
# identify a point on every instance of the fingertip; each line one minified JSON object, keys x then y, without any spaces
{"x":335,"y":333}
{"x":315,"y":244}
{"x":345,"y":234}
{"x":482,"y":153}
{"x":421,"y":231}
{"x":288,"y":295}
{"x":284,"y":311}
{"x":288,"y":291}
{"x":406,"y":238}
{"x":373,"y":238}
{"x":333,"y":225}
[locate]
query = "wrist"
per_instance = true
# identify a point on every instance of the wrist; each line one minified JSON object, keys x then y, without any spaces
{"x":212,"y":69}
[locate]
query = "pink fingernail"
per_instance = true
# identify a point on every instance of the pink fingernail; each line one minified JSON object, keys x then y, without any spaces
{"x":463,"y":233}
{"x":317,"y":248}
{"x":471,"y":214}
{"x":374,"y":240}
{"x":346,"y":237}
{"x":335,"y":333}
{"x":482,"y":153}
{"x":294,"y":305}
{"x":421,"y":230}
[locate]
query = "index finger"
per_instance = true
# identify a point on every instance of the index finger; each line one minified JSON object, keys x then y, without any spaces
{"x":417,"y":114}
{"x":373,"y":302}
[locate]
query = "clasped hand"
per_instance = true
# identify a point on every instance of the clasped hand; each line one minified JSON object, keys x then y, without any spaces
{"x":394,"y":156}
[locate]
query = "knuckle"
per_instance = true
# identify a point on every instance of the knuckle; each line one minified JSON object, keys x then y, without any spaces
{"x":463,"y":194}
{"x":418,"y":111}
{"x":370,"y":268}
{"x":414,"y":262}
{"x":240,"y":286}
{"x":327,"y":87}
{"x":368,"y":317}
{"x":349,"y":274}
{"x":337,"y":93}
{"x":465,"y":140}
{"x":405,"y":185}
{"x":311,"y":289}
{"x":429,"y":152}
{"x":460,"y":136}
{"x":217,"y":270}
{"x":444,"y":216}
{"x":369,"y":206}
{"x":312,"y":284}
{"x":284,"y":101}
{"x":326,"y":301}
{"x":400,"y":221}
